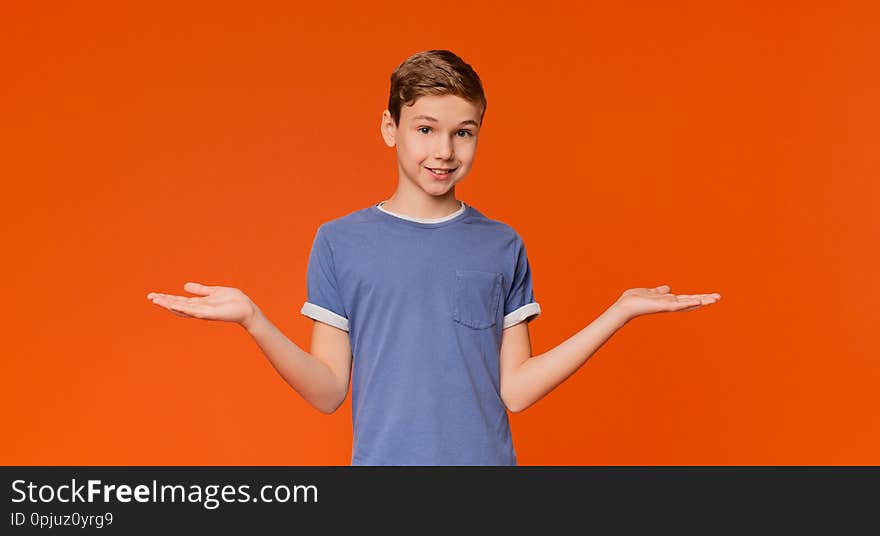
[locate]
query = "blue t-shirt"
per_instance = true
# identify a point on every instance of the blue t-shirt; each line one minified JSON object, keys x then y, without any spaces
{"x":424,"y":302}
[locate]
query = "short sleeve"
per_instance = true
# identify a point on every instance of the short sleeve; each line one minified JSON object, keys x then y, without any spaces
{"x":324,"y":301}
{"x":520,"y":302}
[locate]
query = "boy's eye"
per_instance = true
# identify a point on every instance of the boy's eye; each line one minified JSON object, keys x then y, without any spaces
{"x":467,"y":133}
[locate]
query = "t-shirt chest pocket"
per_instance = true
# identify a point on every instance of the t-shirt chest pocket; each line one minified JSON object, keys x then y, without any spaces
{"x":476,"y":298}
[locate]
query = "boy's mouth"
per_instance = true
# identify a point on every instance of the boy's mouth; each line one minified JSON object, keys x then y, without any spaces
{"x":441,"y":172}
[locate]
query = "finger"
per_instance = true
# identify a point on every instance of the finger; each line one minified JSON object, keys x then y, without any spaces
{"x":706,"y":299}
{"x":178,"y":313}
{"x":695,"y":300}
{"x":714,"y":296}
{"x":662,"y":288}
{"x":154,"y":295}
{"x":690,"y":301}
{"x":702,"y":297}
{"x":167,"y":300}
{"x":684,"y":300}
{"x":170,"y":298}
{"x":187,"y":309}
{"x":165,"y":304}
{"x":197,"y":288}
{"x":166,"y":296}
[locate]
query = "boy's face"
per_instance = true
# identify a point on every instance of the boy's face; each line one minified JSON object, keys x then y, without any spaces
{"x":436,"y":131}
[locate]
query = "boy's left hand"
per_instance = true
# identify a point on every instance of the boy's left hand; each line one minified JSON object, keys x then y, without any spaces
{"x":642,"y":301}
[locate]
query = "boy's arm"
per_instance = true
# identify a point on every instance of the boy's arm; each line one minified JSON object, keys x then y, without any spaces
{"x":320,"y":377}
{"x":526,"y":379}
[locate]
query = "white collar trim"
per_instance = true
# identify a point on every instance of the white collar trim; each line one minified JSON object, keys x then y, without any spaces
{"x":424,"y":220}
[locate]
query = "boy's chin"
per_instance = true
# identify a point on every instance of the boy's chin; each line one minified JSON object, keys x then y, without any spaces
{"x":435,"y":184}
{"x":438,"y":190}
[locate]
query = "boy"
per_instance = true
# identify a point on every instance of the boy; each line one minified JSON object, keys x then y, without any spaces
{"x":423,"y":298}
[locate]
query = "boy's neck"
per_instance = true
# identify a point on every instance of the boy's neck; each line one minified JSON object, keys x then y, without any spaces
{"x":424,"y":206}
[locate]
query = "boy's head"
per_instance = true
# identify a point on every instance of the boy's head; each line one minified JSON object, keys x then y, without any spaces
{"x":434,"y":115}
{"x":434,"y":72}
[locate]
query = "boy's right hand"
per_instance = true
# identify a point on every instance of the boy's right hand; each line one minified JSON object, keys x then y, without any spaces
{"x":217,"y":303}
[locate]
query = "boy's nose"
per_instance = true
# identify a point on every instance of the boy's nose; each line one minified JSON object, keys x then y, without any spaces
{"x":443,"y":150}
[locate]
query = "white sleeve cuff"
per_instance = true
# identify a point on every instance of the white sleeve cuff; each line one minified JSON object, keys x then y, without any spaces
{"x":324,"y":315}
{"x":529,"y":312}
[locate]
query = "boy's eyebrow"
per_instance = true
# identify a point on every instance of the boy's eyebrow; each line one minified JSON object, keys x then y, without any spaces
{"x":429,"y":118}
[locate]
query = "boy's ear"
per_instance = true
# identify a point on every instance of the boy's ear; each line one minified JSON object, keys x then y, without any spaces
{"x":389,"y":129}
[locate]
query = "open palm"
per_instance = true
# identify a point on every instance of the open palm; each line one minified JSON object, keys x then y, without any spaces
{"x":215,"y":303}
{"x":642,"y":301}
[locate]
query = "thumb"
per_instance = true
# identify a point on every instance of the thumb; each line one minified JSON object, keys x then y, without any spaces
{"x":197,"y":288}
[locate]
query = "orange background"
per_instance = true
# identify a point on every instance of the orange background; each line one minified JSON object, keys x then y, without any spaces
{"x":728,"y":147}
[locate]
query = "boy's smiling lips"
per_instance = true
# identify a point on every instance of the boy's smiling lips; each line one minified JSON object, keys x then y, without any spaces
{"x":443,"y":176}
